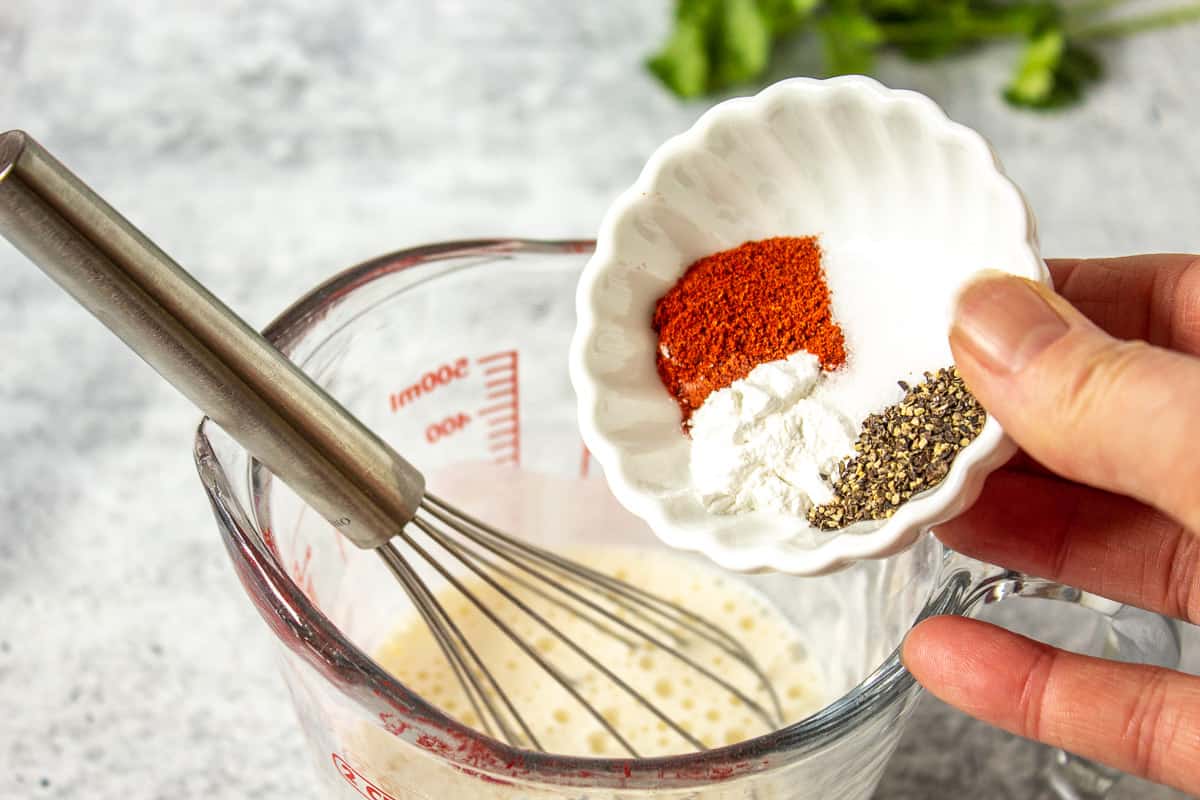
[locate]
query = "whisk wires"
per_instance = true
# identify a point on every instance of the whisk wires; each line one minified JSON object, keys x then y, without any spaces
{"x":631,"y":615}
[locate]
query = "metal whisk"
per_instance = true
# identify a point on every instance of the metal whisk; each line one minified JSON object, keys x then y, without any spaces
{"x":341,"y":469}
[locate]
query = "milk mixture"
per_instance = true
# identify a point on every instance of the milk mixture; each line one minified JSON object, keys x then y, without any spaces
{"x":709,"y":712}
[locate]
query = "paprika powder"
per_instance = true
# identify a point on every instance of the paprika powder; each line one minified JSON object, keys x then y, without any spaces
{"x":733,"y":310}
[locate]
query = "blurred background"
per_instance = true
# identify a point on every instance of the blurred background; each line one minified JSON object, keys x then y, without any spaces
{"x":266,"y":144}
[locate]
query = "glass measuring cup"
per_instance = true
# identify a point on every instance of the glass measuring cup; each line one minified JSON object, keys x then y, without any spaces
{"x":456,"y":355}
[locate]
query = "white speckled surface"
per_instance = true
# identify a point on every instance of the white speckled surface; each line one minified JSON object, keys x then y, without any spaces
{"x":265,"y":143}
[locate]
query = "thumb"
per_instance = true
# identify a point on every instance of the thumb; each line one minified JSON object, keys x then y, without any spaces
{"x":1118,"y":415}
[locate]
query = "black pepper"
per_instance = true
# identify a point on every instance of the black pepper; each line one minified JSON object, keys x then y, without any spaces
{"x":902,"y":451}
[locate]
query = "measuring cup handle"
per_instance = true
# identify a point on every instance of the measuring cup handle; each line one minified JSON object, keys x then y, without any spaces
{"x":1130,"y":634}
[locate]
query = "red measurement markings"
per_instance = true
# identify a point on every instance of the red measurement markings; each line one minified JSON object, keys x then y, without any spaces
{"x":302,"y":574}
{"x":449,"y":426}
{"x":502,"y":406}
{"x":358,"y":780}
{"x":269,"y":540}
{"x":429,"y":382}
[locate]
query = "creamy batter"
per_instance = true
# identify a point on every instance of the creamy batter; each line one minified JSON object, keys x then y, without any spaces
{"x":712,"y":714}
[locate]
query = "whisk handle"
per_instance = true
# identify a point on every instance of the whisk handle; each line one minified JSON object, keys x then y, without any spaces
{"x":304,"y":436}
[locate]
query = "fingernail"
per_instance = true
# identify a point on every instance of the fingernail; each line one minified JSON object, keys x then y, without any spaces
{"x":1004,"y":323}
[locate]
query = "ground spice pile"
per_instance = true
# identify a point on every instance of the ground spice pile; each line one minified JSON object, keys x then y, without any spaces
{"x":739,"y":308}
{"x":903,"y":450}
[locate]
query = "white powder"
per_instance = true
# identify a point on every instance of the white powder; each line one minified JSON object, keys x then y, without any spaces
{"x":765,"y":444}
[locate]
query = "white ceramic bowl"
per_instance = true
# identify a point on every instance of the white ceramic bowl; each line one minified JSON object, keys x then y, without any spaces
{"x":908,"y":206}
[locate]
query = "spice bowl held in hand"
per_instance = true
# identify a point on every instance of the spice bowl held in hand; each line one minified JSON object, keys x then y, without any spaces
{"x":773,"y":292}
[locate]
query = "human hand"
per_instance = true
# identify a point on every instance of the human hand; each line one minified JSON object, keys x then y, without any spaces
{"x":1101,"y":388}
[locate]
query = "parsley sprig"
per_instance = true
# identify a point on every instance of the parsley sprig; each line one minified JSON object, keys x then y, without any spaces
{"x":716,"y":44}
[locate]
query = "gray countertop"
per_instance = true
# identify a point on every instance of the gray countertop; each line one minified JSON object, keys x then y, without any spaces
{"x":265,"y":143}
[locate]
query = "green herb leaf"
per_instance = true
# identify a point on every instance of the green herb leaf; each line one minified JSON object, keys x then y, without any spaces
{"x":926,"y":30}
{"x":1053,"y":73}
{"x":785,"y":16}
{"x":850,"y":38}
{"x":743,"y":43}
{"x":718,"y":43}
{"x":1034,"y":80}
{"x":683,"y":63}
{"x":699,"y":11}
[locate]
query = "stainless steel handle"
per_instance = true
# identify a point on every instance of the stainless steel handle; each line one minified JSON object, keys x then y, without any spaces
{"x":345,"y":472}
